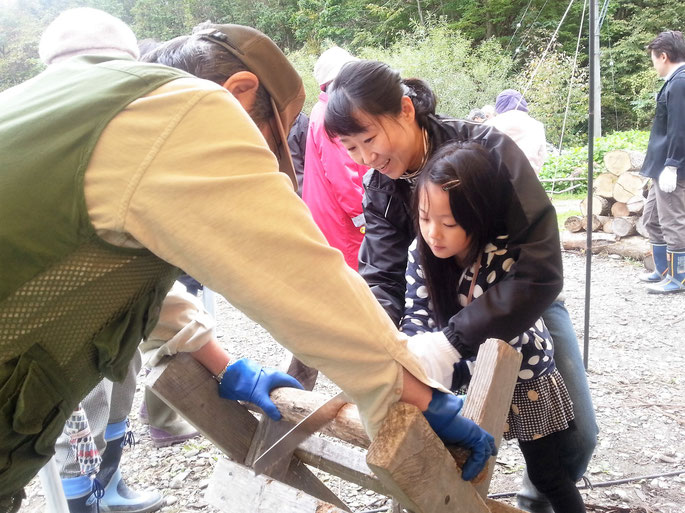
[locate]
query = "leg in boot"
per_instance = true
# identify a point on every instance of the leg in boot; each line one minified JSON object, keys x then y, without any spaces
{"x":660,"y":264}
{"x":530,"y":499}
{"x":78,"y":490}
{"x":118,"y":497}
{"x":675,"y":276}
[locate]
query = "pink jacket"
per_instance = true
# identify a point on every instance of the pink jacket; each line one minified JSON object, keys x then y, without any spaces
{"x":332,"y":187}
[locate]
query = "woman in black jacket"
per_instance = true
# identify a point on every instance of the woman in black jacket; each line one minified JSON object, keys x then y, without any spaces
{"x":390,"y":125}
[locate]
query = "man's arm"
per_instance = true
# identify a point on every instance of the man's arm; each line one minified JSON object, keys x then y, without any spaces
{"x":200,"y":189}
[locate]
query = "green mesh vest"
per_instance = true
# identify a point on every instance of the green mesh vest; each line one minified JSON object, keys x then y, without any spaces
{"x":72,"y":307}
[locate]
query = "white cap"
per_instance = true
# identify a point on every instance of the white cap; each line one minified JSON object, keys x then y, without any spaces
{"x":329,"y":63}
{"x":84,"y":31}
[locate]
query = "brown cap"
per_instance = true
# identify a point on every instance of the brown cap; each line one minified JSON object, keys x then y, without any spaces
{"x":263,"y":58}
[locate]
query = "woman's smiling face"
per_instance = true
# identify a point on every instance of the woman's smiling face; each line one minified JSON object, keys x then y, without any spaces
{"x":390,"y":144}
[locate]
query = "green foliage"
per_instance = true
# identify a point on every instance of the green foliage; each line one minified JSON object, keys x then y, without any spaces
{"x":547,"y":85}
{"x":573,"y":162}
{"x":463,"y":77}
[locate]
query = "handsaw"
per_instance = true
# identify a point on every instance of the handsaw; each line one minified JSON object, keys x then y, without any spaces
{"x":286,"y":445}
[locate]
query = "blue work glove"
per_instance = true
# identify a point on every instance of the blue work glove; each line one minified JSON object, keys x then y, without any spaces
{"x":443,"y":416}
{"x":246,"y":380}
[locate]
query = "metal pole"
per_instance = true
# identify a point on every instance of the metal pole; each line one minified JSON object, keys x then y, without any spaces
{"x":590,"y":170}
{"x":598,"y":82}
{"x":52,"y":487}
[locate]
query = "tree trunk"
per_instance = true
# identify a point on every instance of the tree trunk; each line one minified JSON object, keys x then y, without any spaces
{"x":604,"y":185}
{"x":595,"y":225}
{"x":636,"y":204}
{"x":574,"y":224}
{"x":628,"y":185}
{"x":600,"y":205}
{"x":624,"y":226}
{"x":641,"y":229}
{"x":623,"y":161}
{"x":620,"y":209}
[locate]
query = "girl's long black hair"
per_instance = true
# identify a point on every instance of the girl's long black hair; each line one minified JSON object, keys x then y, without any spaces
{"x":375,"y":88}
{"x":478,"y":194}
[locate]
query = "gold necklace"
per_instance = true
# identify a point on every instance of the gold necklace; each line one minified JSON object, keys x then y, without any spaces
{"x":410,"y":175}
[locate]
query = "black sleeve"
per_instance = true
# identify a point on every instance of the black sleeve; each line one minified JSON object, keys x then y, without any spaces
{"x":383,"y":252}
{"x":297,"y":143}
{"x":511,"y":306}
{"x":675,"y":125}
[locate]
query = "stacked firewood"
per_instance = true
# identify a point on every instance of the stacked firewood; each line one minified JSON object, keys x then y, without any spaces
{"x":618,"y":197}
{"x":618,"y":200}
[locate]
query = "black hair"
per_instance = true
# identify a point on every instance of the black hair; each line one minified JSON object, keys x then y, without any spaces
{"x":478,"y":196}
{"x":202,"y":57}
{"x":377,"y":89}
{"x":669,"y":42}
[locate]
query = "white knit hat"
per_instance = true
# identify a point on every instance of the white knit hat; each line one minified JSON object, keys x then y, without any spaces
{"x":84,"y":31}
{"x":329,"y":63}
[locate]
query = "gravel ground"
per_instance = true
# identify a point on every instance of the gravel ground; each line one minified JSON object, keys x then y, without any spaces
{"x":636,"y":362}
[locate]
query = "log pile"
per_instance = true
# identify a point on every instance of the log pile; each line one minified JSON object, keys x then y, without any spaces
{"x":618,"y":200}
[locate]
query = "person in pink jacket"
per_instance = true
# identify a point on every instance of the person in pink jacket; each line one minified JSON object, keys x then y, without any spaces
{"x":332,"y":187}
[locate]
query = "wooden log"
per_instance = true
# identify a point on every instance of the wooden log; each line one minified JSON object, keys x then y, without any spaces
{"x":618,"y":162}
{"x":628,"y":185}
{"x":607,"y":226}
{"x":636,"y":205}
{"x":410,"y":459}
{"x":489,"y":397}
{"x":574,"y":223}
{"x":578,"y":241}
{"x":634,"y":247}
{"x":600,"y":205}
{"x":603,"y":185}
{"x":641,"y":228}
{"x":596,"y":224}
{"x":295,"y":405}
{"x":620,"y":209}
{"x":234,"y":488}
{"x":624,"y":226}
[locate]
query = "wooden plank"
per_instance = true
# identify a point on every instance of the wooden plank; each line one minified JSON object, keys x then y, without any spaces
{"x":233,"y":488}
{"x":188,"y":387}
{"x":339,"y":460}
{"x":490,"y":392}
{"x":413,"y":463}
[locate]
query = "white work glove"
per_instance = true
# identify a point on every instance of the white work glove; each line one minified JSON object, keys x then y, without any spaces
{"x":436,"y":355}
{"x":668,"y":179}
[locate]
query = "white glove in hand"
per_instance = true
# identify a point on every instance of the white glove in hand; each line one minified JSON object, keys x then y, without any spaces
{"x":668,"y":179}
{"x":436,"y":354}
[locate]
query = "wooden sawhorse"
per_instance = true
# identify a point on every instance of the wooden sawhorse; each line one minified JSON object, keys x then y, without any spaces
{"x":406,"y":460}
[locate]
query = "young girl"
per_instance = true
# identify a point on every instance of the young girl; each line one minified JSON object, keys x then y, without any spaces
{"x":390,"y":124}
{"x":462,"y":250}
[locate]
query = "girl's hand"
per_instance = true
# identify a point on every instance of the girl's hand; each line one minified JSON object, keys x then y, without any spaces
{"x":436,"y":354}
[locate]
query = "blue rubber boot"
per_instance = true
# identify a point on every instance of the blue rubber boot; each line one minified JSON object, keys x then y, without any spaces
{"x":660,"y":265}
{"x":78,"y":490}
{"x":675,"y":277}
{"x":118,"y":497}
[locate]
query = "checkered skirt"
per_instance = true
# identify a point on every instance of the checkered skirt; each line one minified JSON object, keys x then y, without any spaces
{"x":539,"y":407}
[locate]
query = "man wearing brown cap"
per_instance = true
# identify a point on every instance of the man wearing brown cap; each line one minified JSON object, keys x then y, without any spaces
{"x":113,"y":172}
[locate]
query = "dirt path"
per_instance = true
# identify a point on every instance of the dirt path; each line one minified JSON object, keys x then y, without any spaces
{"x":636,"y":363}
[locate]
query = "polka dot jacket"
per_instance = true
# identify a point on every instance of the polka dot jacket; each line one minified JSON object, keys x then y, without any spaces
{"x":541,"y":403}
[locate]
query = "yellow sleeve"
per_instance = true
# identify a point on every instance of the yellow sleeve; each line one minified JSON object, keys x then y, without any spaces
{"x":203,"y":192}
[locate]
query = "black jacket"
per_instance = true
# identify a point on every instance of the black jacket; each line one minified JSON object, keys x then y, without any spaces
{"x":667,"y":140}
{"x":506,"y":309}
